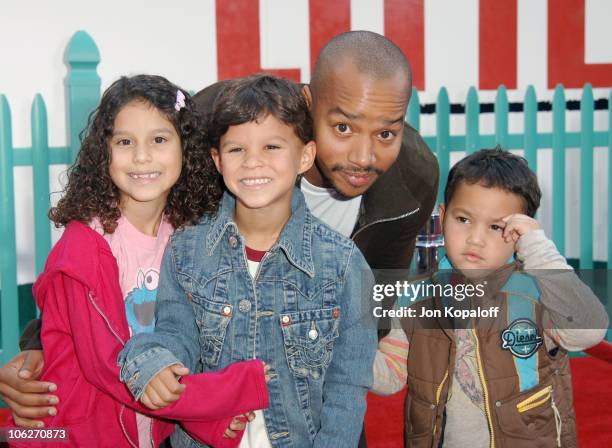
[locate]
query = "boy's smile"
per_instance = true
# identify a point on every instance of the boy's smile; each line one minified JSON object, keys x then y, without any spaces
{"x":473,"y":228}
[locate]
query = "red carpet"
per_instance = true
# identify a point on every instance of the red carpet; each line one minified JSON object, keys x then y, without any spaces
{"x":592,"y":380}
{"x":592,"y":400}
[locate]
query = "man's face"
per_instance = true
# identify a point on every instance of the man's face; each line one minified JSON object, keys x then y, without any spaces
{"x":358,"y":124}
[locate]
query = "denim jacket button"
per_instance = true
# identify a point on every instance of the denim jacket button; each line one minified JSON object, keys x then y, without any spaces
{"x":233,"y":241}
{"x":313,"y":334}
{"x":336,"y":313}
{"x":244,"y":305}
{"x":286,"y":320}
{"x":227,"y":310}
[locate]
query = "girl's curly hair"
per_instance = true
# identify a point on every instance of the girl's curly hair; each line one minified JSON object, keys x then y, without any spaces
{"x":90,"y":191}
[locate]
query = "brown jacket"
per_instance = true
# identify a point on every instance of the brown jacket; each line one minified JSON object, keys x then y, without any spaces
{"x":518,"y":416}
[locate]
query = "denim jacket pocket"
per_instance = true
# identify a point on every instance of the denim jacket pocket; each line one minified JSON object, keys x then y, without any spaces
{"x":309,"y":340}
{"x":212,"y":319}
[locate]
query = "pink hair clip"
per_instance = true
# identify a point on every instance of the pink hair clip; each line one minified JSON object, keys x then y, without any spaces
{"x":180,"y":100}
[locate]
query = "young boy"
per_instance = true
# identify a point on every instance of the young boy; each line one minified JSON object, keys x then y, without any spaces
{"x":262,"y":278}
{"x":499,"y":380}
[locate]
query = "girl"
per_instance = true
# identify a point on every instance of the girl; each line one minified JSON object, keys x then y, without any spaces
{"x":263,"y":278}
{"x":143,"y":170}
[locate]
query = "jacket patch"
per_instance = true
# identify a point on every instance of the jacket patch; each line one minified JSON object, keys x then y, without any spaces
{"x":521,"y":338}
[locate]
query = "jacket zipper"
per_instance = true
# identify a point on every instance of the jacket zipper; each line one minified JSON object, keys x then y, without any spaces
{"x":438,"y":393}
{"x":385,"y":220}
{"x":484,"y":389}
{"x":535,"y":400}
{"x":91,"y":299}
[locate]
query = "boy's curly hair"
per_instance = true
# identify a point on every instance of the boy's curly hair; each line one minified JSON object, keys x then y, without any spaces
{"x":90,"y":191}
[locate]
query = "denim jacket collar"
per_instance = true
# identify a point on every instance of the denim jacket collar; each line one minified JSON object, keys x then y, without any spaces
{"x":294,"y":240}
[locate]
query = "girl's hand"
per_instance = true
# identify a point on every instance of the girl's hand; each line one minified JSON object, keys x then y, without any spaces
{"x":518,"y":225}
{"x":238,"y":424}
{"x":267,"y":372}
{"x":164,"y":388}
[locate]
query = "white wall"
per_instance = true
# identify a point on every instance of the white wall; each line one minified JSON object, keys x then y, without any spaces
{"x":179,"y":41}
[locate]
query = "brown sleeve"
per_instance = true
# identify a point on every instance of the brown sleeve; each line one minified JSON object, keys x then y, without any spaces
{"x":30,"y":338}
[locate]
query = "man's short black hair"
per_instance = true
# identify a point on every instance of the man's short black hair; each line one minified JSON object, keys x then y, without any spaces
{"x":373,"y":55}
{"x":255,"y":97}
{"x":496,"y":168}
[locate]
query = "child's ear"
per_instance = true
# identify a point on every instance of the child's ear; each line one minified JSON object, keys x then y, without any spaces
{"x":309,"y":153}
{"x":442,"y":210}
{"x":214,"y":153}
{"x":307,"y":94}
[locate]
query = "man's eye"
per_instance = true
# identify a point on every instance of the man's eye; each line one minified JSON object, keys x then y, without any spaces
{"x":386,"y":135}
{"x":160,"y":139}
{"x":343,"y":128}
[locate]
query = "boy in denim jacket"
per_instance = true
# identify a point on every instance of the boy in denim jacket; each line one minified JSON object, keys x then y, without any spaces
{"x":262,"y":278}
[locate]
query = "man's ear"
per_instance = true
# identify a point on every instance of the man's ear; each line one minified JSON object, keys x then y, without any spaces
{"x":214,"y":153}
{"x":308,"y":95}
{"x":309,"y":153}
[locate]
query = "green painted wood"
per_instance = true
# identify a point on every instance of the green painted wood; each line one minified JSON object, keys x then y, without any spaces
{"x":558,"y":147}
{"x":472,"y":114}
{"x":443,"y":139}
{"x":501,"y":117}
{"x":82,"y":86}
{"x":609,"y":190}
{"x":531,"y":128}
{"x":8,"y":255}
{"x":40,"y":170}
{"x":413,"y":114}
{"x":586,"y":178}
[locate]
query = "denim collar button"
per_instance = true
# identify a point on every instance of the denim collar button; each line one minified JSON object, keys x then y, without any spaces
{"x":233,"y":241}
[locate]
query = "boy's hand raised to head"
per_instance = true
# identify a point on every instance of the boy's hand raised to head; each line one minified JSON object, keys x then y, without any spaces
{"x":164,"y":388}
{"x":518,"y":225}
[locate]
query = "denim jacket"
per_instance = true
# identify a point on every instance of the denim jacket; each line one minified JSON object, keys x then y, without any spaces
{"x":306,"y":313}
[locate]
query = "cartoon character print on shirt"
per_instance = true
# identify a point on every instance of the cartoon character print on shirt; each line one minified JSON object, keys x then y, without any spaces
{"x":140,"y":302}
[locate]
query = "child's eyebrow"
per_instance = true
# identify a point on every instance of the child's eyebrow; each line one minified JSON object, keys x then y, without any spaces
{"x":462,"y":211}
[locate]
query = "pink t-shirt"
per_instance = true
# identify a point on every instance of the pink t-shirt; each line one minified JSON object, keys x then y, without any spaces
{"x":139,"y":260}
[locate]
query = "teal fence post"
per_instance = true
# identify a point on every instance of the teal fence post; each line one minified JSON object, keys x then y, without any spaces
{"x":40,"y":170}
{"x":472,"y":114}
{"x":82,"y":86}
{"x":501,"y":117}
{"x":558,"y":148}
{"x":443,"y":139}
{"x":586,"y":178}
{"x":413,"y":115}
{"x":610,"y":181}
{"x":8,"y":255}
{"x":530,"y":131}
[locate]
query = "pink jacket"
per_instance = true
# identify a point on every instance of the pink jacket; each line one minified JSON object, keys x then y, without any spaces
{"x":84,"y":328}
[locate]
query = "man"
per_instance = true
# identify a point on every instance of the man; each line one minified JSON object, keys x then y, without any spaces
{"x":374,"y":178}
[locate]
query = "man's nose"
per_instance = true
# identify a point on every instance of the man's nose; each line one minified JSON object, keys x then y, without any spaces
{"x":362,"y":153}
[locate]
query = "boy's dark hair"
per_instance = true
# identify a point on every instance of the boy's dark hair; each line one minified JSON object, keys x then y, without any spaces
{"x":90,"y":191}
{"x":252,"y":98}
{"x":496,"y":168}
